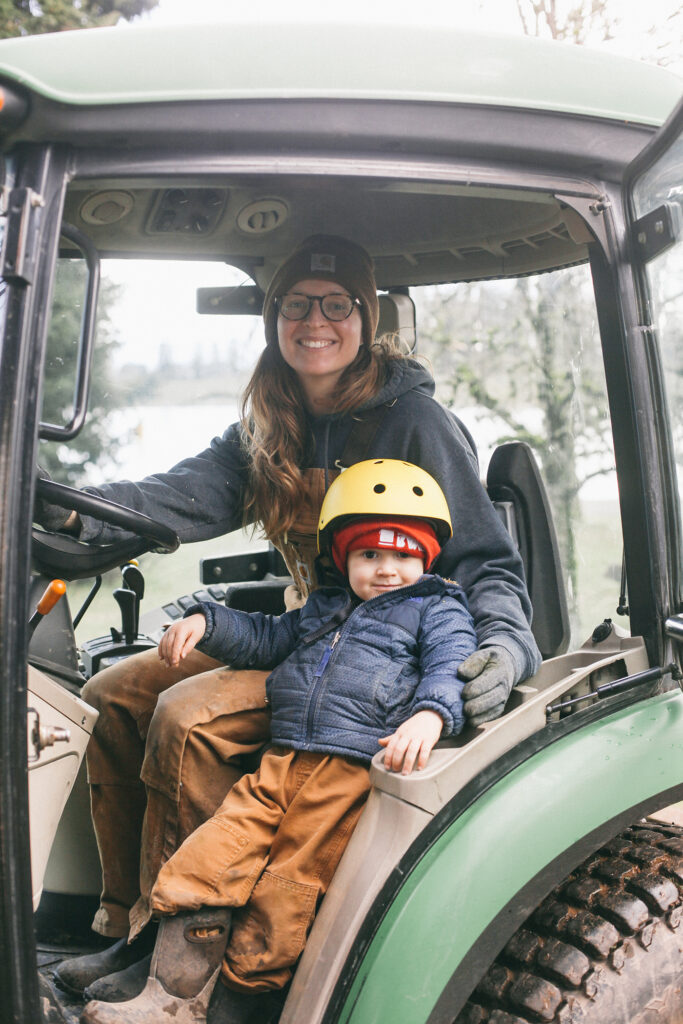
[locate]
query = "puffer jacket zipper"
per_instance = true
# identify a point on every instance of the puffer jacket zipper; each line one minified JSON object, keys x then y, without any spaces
{"x":324,"y":662}
{"x":322,"y":665}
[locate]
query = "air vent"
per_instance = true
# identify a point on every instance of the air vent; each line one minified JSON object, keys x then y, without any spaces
{"x":106,"y":207}
{"x":468,"y":252}
{"x":262,"y":216}
{"x":541,"y":240}
{"x":517,"y":245}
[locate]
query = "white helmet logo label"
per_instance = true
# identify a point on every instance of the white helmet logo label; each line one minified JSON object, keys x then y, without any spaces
{"x":393,"y":539}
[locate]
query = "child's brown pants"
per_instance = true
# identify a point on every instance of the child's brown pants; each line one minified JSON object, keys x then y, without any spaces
{"x":274,"y":845}
{"x":166,"y":749}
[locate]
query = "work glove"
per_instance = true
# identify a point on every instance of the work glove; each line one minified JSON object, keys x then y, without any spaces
{"x":50,"y":517}
{"x":490,"y":675}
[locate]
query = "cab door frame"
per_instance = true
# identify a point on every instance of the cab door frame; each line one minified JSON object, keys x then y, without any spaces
{"x":33,"y":195}
{"x":650,"y":235}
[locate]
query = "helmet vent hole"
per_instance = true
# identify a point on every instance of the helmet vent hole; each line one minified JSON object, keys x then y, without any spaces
{"x":418,"y":491}
{"x":379,"y":488}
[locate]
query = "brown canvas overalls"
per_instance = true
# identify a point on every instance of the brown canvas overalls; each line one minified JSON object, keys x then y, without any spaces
{"x":165,"y":752}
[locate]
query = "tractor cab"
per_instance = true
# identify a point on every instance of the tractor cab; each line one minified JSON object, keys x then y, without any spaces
{"x":526,"y":237}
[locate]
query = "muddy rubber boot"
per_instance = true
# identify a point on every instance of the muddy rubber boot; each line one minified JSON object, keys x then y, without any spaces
{"x":230,"y":1007}
{"x":117,"y":988}
{"x":185,"y":966}
{"x":76,"y":974}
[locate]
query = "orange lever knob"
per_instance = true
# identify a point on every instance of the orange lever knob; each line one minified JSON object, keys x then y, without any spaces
{"x":52,"y":594}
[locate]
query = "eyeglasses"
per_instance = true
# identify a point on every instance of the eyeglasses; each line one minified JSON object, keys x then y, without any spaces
{"x":335,"y":306}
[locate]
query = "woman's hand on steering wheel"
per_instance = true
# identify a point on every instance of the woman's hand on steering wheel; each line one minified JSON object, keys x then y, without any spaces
{"x":50,"y":517}
{"x":55,"y":502}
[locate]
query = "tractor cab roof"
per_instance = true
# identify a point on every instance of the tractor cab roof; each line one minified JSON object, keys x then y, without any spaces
{"x":445,"y":153}
{"x":432,"y":63}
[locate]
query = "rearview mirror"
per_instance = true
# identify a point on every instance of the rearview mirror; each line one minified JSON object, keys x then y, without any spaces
{"x":81,"y":279}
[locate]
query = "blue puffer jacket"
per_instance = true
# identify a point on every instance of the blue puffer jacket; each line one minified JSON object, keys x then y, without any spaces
{"x":348,"y":673}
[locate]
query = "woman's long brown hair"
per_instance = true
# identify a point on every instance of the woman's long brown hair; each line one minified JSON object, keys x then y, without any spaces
{"x":276,"y":434}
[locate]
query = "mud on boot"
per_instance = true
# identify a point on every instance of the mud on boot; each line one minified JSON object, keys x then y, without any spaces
{"x":185,"y":966}
{"x":119,"y":987}
{"x":230,"y":1007}
{"x":77,"y":974}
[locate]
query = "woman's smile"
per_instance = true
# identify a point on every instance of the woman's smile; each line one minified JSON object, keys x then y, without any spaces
{"x":318,"y":349}
{"x":315,"y":343}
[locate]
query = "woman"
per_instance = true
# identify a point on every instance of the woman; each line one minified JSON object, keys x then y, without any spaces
{"x":323,"y":396}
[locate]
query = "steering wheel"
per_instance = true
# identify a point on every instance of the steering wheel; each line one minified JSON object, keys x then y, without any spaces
{"x":57,"y":554}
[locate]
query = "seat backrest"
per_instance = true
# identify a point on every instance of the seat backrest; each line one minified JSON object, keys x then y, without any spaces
{"x":397,"y":316}
{"x":517,"y":490}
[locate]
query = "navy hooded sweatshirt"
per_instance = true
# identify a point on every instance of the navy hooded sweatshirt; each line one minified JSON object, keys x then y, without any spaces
{"x":202,"y":497}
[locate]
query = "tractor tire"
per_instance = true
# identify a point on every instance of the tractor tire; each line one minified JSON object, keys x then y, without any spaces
{"x":605,"y":947}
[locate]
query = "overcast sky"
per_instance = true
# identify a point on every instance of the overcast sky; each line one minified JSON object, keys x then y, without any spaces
{"x":632,"y":38}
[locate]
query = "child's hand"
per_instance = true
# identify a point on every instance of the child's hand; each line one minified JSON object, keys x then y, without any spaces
{"x":181,"y":638}
{"x":413,"y":740}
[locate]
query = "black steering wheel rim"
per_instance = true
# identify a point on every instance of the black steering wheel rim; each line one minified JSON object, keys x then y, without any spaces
{"x":64,"y":556}
{"x":162,"y":537}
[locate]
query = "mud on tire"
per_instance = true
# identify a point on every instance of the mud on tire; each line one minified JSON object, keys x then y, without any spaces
{"x":605,"y":946}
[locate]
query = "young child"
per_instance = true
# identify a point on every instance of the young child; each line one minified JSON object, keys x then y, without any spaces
{"x":367,"y":664}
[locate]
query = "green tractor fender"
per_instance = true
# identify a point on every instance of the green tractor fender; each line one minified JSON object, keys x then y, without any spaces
{"x":491,"y":856}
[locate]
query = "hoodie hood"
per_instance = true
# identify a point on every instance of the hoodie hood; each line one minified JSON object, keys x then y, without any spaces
{"x":404,"y":375}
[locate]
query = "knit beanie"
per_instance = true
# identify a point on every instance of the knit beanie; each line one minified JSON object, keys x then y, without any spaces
{"x":326,"y":258}
{"x":412,"y":536}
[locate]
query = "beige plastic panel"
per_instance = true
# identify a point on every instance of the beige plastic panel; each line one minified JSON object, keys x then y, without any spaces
{"x":454,"y":762}
{"x":386,"y":829}
{"x":73,"y":867}
{"x":399,"y":808}
{"x":52,"y":773}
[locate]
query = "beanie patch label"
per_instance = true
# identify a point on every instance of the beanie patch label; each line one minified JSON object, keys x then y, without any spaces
{"x":399,"y":541}
{"x":324,"y":261}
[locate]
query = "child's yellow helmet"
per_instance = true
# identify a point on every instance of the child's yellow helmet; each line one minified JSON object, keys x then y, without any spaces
{"x":383,"y":487}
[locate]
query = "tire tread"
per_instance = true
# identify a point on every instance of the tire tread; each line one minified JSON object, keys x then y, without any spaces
{"x":589,"y":935}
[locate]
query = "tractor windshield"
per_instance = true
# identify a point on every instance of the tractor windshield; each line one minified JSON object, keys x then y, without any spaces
{"x":514,"y":359}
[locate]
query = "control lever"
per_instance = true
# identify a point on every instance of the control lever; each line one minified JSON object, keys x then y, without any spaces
{"x":50,"y":597}
{"x":104,"y":651}
{"x":128,"y":603}
{"x":135,"y":581}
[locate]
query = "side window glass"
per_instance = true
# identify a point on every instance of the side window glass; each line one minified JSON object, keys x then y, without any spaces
{"x":61,"y":360}
{"x":522,"y":360}
{"x":661,"y":188}
{"x":165,"y":381}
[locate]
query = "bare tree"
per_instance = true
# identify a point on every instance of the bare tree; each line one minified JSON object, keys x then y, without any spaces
{"x":594,"y":22}
{"x":33,"y":17}
{"x":573,"y":23}
{"x":524,"y":358}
